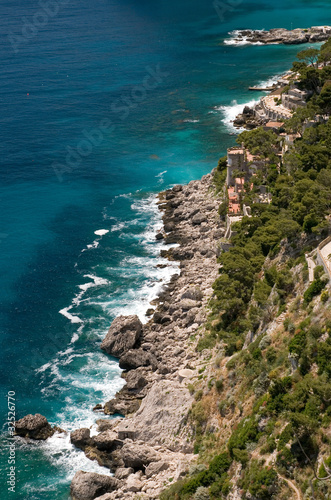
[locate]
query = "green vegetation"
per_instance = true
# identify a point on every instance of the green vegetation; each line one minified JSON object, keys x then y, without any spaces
{"x":273,"y":394}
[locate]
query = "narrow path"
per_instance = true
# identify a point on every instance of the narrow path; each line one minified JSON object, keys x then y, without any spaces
{"x":292,"y":486}
{"x":311,"y":266}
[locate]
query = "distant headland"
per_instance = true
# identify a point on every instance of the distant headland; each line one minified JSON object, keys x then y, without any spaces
{"x":280,"y":36}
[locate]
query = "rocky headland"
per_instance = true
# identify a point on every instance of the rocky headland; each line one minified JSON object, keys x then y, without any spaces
{"x":149,"y":440}
{"x":284,"y":36}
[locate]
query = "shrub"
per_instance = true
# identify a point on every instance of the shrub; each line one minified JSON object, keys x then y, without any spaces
{"x":318,"y":271}
{"x":219,"y":384}
{"x":196,"y":468}
{"x":271,"y":354}
{"x":324,"y":296}
{"x":257,"y":354}
{"x":202,"y":493}
{"x":207,"y":342}
{"x":269,"y":446}
{"x":204,"y":478}
{"x":314,"y":289}
{"x":198,"y":415}
{"x":265,"y":342}
{"x":247,"y":431}
{"x":261,"y":482}
{"x":315,"y":331}
{"x":297,"y":344}
{"x":285,"y":436}
{"x":241,"y":456}
{"x":198,"y":395}
{"x":220,"y":463}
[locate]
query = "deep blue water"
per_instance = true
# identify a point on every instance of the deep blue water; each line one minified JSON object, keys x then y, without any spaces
{"x":103,"y":104}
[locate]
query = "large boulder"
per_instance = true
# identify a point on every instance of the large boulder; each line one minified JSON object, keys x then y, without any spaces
{"x":123,"y":472}
{"x":135,"y":380}
{"x":133,"y":483}
{"x":137,"y":357}
{"x":121,"y":405}
{"x":34,"y":427}
{"x":161,"y":416}
{"x":199,"y":219}
{"x":138,"y":456}
{"x":80,"y":438}
{"x":122,"y":335}
{"x":155,"y":468}
{"x":193,"y":293}
{"x":90,"y":485}
{"x":107,"y":441}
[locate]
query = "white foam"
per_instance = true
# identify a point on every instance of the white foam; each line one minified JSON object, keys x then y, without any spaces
{"x":118,"y":227}
{"x":95,"y":244}
{"x":190,"y":121}
{"x":62,"y":454}
{"x":101,"y":232}
{"x":243,"y":40}
{"x":71,"y":317}
{"x":231,"y":111}
{"x":96,"y":282}
{"x":271,"y":81}
{"x":43,"y":368}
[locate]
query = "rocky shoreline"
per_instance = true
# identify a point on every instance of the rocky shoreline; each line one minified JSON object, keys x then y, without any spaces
{"x":153,"y":444}
{"x":284,"y":36}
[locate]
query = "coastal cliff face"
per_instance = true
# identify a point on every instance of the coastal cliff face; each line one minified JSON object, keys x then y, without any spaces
{"x":155,"y":440}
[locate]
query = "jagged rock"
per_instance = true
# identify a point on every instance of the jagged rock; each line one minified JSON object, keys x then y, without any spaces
{"x":159,"y":236}
{"x":177,"y":188}
{"x":34,"y":427}
{"x":133,"y":483}
{"x":102,"y":457}
{"x":90,"y":485}
{"x":98,"y":407}
{"x":187,"y":304}
{"x":180,"y":254}
{"x":248,"y":111}
{"x":169,"y":226}
{"x":80,"y":438}
{"x":199,"y":219}
{"x":170,"y":195}
{"x":123,"y":472}
{"x":105,"y":424}
{"x":135,"y":380}
{"x":161,"y":414}
{"x":136,"y":358}
{"x":122,"y":335}
{"x":193,"y":293}
{"x":155,"y":467}
{"x":123,"y":406}
{"x":107,"y":440}
{"x":138,"y":456}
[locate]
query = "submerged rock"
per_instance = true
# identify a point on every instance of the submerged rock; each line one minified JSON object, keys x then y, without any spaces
{"x":34,"y":427}
{"x":122,"y":335}
{"x":90,"y":485}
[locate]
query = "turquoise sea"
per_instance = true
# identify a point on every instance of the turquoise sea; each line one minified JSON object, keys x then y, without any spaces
{"x":103,"y":104}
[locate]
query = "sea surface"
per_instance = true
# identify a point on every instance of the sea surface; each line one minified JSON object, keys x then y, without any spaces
{"x":103,"y":104}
